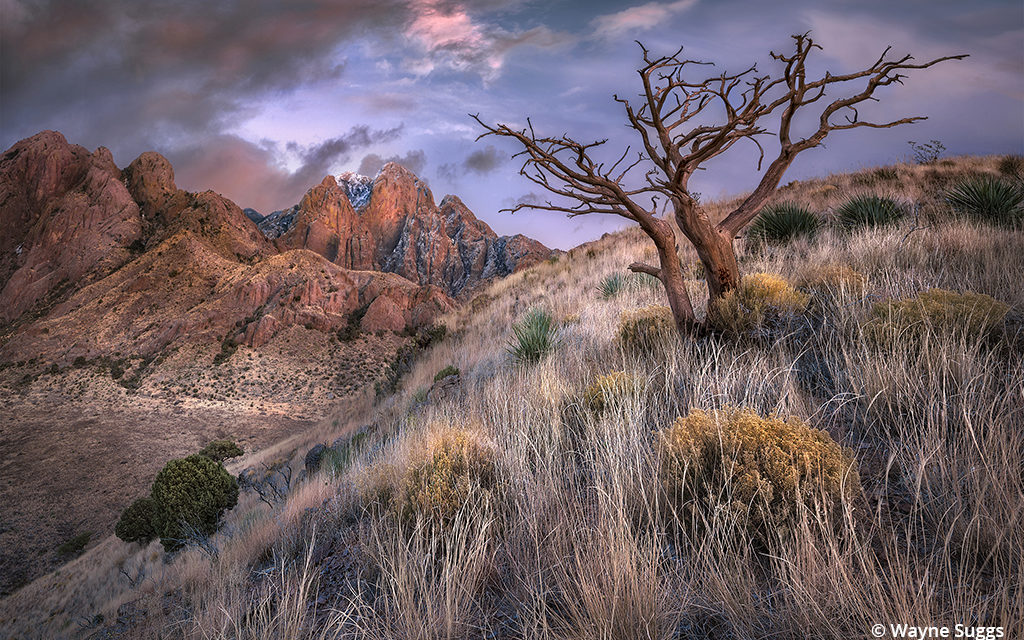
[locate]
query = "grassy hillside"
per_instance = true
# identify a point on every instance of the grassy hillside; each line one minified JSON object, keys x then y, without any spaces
{"x":539,"y":500}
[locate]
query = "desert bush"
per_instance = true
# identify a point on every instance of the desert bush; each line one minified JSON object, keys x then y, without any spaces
{"x":189,"y":496}
{"x":886,"y":173}
{"x":988,"y":199}
{"x":534,"y":336}
{"x":1012,"y":166}
{"x":869,"y":211}
{"x":938,"y":311}
{"x":450,"y":370}
{"x":75,"y":545}
{"x":221,"y":450}
{"x":764,"y":471}
{"x":136,"y":523}
{"x":455,"y":469}
{"x":760,"y":299}
{"x":607,"y":388}
{"x":783,"y":222}
{"x":645,"y":329}
{"x":927,"y":152}
{"x":833,"y":277}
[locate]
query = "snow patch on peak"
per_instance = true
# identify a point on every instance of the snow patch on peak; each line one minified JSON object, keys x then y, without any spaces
{"x":358,"y":188}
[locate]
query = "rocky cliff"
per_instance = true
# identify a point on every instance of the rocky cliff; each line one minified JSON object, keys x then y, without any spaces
{"x":95,"y":260}
{"x":391,"y":223}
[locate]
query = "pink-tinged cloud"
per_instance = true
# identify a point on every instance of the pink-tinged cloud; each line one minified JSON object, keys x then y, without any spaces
{"x":639,"y":18}
{"x":449,"y":38}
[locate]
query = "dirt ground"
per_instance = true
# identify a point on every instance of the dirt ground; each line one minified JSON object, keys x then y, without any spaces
{"x":76,"y":447}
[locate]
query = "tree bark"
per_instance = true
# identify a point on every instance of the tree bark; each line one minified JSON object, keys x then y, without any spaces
{"x":721,"y":270}
{"x":714,"y":248}
{"x":670,"y":272}
{"x":675,"y":288}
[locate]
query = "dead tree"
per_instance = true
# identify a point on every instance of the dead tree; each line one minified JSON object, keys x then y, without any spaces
{"x":682,"y":124}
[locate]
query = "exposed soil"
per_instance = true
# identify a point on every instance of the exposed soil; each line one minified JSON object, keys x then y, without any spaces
{"x":77,"y":446}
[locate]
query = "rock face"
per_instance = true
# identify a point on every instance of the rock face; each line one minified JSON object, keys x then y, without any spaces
{"x":95,"y":260}
{"x":392,"y":224}
{"x":65,"y":218}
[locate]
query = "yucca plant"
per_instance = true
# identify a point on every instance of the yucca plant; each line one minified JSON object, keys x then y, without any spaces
{"x":612,"y":286}
{"x":869,"y":211}
{"x":780,"y":223}
{"x":534,"y":336}
{"x":988,"y":198}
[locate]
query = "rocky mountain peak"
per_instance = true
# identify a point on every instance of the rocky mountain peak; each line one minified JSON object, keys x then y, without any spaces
{"x":358,"y":189}
{"x":150,"y":180}
{"x":95,"y":260}
{"x":391,"y":223}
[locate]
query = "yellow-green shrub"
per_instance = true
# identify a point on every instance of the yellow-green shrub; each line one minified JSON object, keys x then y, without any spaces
{"x":453,"y":469}
{"x":646,"y":328}
{"x":762,"y":470}
{"x":833,"y":277}
{"x":758,"y":298}
{"x":940,"y":311}
{"x":608,"y":387}
{"x":457,"y":470}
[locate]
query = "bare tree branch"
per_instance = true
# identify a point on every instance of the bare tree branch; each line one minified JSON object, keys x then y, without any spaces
{"x":683,"y":122}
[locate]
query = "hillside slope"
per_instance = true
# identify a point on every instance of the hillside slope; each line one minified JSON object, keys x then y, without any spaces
{"x":138,"y":320}
{"x":519,"y":500}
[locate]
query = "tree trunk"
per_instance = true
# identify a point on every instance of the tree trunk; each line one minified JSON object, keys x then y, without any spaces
{"x":716,"y":252}
{"x":670,"y":272}
{"x":719,"y":259}
{"x":675,"y":288}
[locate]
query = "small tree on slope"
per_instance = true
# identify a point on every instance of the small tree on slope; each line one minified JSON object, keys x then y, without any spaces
{"x":684,"y":123}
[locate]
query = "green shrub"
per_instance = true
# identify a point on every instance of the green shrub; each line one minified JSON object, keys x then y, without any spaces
{"x":189,"y":496}
{"x":136,"y":523}
{"x":534,"y":336}
{"x":988,"y":199}
{"x":450,"y":370}
{"x":869,"y":211}
{"x":938,"y":311}
{"x":608,"y":388}
{"x":759,"y":299}
{"x":221,"y":450}
{"x":646,"y":329}
{"x":781,"y":223}
{"x":761,"y":471}
{"x":75,"y":545}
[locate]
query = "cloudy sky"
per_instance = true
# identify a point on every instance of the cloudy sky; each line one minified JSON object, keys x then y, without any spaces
{"x":259,"y":100}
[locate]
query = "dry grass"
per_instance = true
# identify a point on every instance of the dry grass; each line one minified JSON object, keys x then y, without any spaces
{"x":582,"y":544}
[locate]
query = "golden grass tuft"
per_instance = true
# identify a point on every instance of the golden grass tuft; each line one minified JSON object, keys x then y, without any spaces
{"x":762,"y":470}
{"x":610,"y":387}
{"x":938,"y":311}
{"x":833,"y":277}
{"x":644,"y":330}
